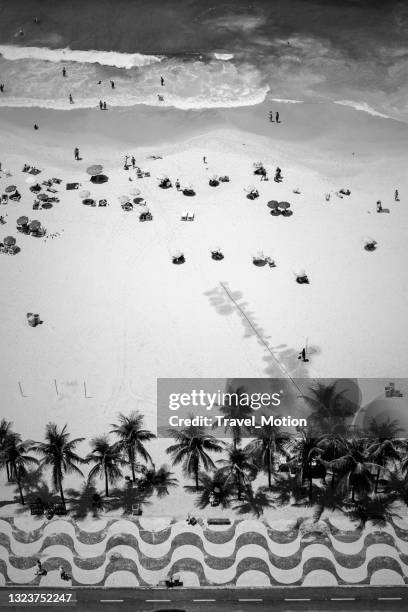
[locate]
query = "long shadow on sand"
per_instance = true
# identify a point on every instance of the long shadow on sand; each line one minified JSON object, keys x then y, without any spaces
{"x":281,"y":360}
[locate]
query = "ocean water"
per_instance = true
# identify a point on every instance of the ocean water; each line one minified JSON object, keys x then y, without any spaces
{"x":216,"y":54}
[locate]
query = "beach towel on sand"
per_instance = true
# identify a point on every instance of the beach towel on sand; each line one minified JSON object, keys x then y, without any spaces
{"x":72,"y":186}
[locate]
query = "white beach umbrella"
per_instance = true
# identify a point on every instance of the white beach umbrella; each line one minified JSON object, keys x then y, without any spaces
{"x":135,"y":192}
{"x":30,"y":180}
{"x":123,"y":199}
{"x":84,"y":193}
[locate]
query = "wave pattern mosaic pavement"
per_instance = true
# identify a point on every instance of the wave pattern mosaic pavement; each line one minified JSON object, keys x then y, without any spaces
{"x":127,"y":552}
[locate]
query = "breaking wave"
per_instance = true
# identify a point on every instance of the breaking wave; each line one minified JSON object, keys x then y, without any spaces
{"x":33,"y":77}
{"x":104,"y":58}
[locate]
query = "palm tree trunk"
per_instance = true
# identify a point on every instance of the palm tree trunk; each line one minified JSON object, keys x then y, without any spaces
{"x":8,"y":471}
{"x":310,"y":488}
{"x":377,"y":479}
{"x":106,"y":483}
{"x":61,"y":490}
{"x":269,"y":474}
{"x":20,"y":490}
{"x":132,"y":464}
{"x":196,"y":479}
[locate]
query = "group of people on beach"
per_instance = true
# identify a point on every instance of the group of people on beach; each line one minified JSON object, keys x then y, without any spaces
{"x":272,"y":120}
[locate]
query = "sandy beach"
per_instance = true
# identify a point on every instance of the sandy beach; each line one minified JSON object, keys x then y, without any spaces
{"x":117,"y":314}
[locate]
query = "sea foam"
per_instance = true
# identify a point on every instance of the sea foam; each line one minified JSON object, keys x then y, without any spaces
{"x":104,"y":58}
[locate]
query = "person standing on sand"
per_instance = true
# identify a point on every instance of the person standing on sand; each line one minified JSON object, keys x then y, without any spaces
{"x":2,"y":87}
{"x":271,"y":116}
{"x":277,"y":117}
{"x":302,"y":355}
{"x":396,"y":196}
{"x":100,"y":104}
{"x":71,"y":99}
{"x":76,"y":153}
{"x":133,"y":161}
{"x":104,"y":106}
{"x":112,"y":84}
{"x":64,"y":72}
{"x":35,"y":126}
{"x":204,"y":160}
{"x":162,"y":81}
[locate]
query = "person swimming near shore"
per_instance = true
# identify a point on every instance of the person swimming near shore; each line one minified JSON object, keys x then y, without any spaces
{"x":162,"y":81}
{"x":2,"y":87}
{"x":64,"y":72}
{"x":71,"y":99}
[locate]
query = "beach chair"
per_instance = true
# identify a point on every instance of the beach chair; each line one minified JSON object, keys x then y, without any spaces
{"x":4,"y":198}
{"x":15,"y":197}
{"x":71,"y":186}
{"x":102,"y":203}
{"x":52,"y":190}
{"x":186,"y":216}
{"x":34,"y":171}
{"x":57,"y":181}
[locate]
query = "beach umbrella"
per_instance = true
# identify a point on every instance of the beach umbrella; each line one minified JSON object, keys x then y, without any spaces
{"x":9,"y":241}
{"x":34,"y":226}
{"x":177,"y":254}
{"x":84,"y":193}
{"x":135,"y":192}
{"x":10,"y":188}
{"x":30,"y":180}
{"x":22,"y":220}
{"x":42,"y":196}
{"x":284,"y":205}
{"x":138,"y":200}
{"x":94,"y":170}
{"x":143,"y":210}
{"x":273,"y":204}
{"x":123,"y":199}
{"x":99,"y":178}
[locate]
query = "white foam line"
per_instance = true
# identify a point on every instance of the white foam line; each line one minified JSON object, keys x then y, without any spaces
{"x":111,"y":600}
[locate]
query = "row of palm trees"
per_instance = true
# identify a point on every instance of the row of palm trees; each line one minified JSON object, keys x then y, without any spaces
{"x":59,"y":453}
{"x":326,"y":466}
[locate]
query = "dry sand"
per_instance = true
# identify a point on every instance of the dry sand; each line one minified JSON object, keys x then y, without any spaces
{"x":118,"y":315}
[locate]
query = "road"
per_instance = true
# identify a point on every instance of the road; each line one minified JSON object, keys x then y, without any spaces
{"x":278,"y":599}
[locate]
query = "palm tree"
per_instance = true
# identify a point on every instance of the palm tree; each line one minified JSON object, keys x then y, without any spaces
{"x":17,"y":457}
{"x":132,"y":436}
{"x":238,"y":468}
{"x":304,"y":450}
{"x":160,"y":481}
{"x":269,"y":441}
{"x":396,"y":486}
{"x":354,"y":470}
{"x":212,"y":484}
{"x":191,"y":449}
{"x":330,"y":408}
{"x":107,"y":459}
{"x":5,"y":431}
{"x":253,"y":502}
{"x":385,"y":448}
{"x":58,"y":452}
{"x":378,"y":509}
{"x":233,"y":409}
